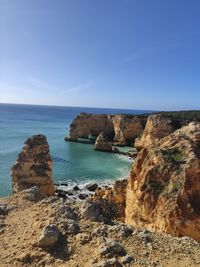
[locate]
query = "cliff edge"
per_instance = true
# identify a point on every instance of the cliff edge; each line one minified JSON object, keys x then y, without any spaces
{"x":163,"y":191}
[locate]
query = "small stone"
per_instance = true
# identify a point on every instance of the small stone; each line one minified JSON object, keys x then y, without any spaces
{"x":49,"y":200}
{"x":83,"y":238}
{"x":99,"y":232}
{"x":70,"y":192}
{"x":116,"y":150}
{"x":76,"y":188}
{"x":112,"y":248}
{"x":127,"y":259}
{"x":63,"y":184}
{"x":68,"y":212}
{"x":113,"y":262}
{"x":61,"y":194}
{"x":145,"y":236}
{"x":82,"y":196}
{"x":123,"y":230}
{"x":3,"y":209}
{"x":33,"y":194}
{"x":72,"y":227}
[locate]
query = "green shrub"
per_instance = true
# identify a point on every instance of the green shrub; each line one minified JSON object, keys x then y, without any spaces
{"x":173,"y":155}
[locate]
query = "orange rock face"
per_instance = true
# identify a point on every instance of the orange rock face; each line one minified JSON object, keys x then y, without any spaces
{"x":90,"y":124}
{"x":34,"y":167}
{"x":123,"y":129}
{"x":163,"y":191}
{"x":157,"y":127}
{"x":127,"y":128}
{"x":115,"y":195}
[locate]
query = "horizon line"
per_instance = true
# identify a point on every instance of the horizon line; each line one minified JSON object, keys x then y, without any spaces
{"x":50,"y":105}
{"x":139,"y":109}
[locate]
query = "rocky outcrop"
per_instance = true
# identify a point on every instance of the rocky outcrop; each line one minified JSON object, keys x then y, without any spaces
{"x":54,"y":232}
{"x":163,"y":191}
{"x":103,"y":143}
{"x":157,"y":127}
{"x":127,"y":128}
{"x":85,"y":125}
{"x":122,"y":129}
{"x":115,"y":197}
{"x":34,"y":167}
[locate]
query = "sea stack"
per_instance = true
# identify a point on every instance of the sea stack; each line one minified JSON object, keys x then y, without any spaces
{"x":33,"y":166}
{"x":103,"y":143}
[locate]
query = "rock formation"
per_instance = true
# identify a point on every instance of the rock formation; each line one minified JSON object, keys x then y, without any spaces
{"x":127,"y":128}
{"x":157,"y":127}
{"x":163,"y":191}
{"x":115,"y":197}
{"x":103,"y":143}
{"x":90,"y":124}
{"x":34,"y":167}
{"x":122,"y":129}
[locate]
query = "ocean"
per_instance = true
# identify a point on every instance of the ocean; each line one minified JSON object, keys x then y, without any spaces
{"x":74,"y":163}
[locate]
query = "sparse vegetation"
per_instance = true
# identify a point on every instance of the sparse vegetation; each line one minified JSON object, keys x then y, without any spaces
{"x":173,"y":155}
{"x":157,"y":186}
{"x":188,"y":115}
{"x":176,"y":186}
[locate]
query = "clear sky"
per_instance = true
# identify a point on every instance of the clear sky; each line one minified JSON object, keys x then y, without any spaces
{"x":138,"y":54}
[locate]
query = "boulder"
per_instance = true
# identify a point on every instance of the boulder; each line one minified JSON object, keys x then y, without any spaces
{"x":111,"y":248}
{"x":49,"y":236}
{"x":82,"y":196}
{"x":163,"y":191}
{"x":33,"y":167}
{"x":103,"y":143}
{"x":99,"y":210}
{"x":92,"y":187}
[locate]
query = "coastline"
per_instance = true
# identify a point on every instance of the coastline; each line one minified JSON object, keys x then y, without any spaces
{"x":137,"y":221}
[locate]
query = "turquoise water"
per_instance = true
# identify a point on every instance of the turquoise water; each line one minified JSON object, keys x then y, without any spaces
{"x":72,"y":162}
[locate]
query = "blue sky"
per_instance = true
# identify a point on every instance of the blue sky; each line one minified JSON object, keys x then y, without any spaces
{"x":136,"y":54}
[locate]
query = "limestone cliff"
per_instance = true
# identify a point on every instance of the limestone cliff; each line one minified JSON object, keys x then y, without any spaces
{"x":122,"y":129}
{"x":33,"y":166}
{"x":127,"y":128}
{"x":157,"y":127}
{"x":163,"y":191}
{"x":90,"y":124}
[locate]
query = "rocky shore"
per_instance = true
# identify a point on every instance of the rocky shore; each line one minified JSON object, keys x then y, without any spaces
{"x":150,"y":219}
